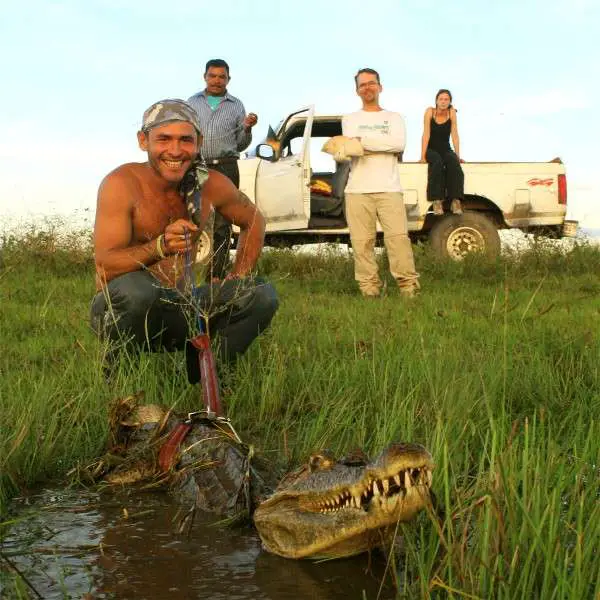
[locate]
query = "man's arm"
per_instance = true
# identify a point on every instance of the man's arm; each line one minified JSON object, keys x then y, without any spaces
{"x":113,"y":231}
{"x":348,"y":126}
{"x":393,"y":142}
{"x":236,"y":207}
{"x":243,"y":135}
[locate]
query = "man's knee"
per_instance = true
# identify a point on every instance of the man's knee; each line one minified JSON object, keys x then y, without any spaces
{"x":363,"y":244}
{"x":132,"y":294}
{"x":265,"y":302}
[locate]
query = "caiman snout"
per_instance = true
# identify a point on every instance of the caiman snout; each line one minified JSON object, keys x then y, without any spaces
{"x":341,"y":509}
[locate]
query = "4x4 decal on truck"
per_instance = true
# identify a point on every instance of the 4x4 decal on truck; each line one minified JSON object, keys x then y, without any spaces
{"x":536,"y":181}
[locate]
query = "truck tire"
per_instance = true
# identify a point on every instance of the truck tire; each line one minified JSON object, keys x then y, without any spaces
{"x":455,"y":236}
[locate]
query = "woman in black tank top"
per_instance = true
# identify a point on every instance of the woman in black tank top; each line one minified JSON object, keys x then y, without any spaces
{"x":445,"y":175}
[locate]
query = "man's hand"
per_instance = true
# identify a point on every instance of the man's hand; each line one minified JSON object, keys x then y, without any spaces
{"x":250,"y":121}
{"x":174,"y":239}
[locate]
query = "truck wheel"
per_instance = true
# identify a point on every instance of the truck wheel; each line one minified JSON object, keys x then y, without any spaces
{"x":455,"y":236}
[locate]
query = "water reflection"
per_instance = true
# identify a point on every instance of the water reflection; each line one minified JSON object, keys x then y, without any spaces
{"x":124,"y":546}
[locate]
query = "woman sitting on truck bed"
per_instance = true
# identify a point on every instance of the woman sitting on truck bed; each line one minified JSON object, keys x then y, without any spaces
{"x":445,"y":175}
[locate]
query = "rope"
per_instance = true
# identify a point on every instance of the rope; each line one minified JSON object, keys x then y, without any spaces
{"x":188,"y":275}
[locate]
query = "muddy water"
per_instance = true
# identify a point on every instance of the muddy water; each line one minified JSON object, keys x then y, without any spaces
{"x":126,"y":546}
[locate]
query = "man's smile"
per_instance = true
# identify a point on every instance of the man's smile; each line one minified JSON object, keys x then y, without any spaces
{"x":173,"y":164}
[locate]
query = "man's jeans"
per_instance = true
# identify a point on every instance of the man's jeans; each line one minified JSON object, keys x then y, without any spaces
{"x":135,"y":311}
{"x":222,"y":230}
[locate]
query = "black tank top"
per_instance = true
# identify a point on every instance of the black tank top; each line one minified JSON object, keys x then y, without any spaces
{"x":439,"y":136}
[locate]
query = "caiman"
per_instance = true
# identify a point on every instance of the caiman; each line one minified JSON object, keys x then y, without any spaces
{"x":331,"y":509}
{"x":212,"y":471}
{"x":326,"y":509}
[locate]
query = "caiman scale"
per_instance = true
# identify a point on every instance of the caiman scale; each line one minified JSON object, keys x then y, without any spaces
{"x":327,"y":508}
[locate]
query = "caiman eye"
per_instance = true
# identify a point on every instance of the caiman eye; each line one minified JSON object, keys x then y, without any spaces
{"x":322,"y":461}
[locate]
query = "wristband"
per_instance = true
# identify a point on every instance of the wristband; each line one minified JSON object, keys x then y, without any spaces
{"x":159,"y":246}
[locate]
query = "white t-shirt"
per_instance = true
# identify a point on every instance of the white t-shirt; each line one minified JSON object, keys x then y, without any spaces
{"x":384,"y":133}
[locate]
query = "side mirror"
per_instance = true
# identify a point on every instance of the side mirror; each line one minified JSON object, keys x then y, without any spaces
{"x":266,"y":152}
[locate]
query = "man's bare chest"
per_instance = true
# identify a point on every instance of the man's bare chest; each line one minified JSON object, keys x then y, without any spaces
{"x":152,"y":214}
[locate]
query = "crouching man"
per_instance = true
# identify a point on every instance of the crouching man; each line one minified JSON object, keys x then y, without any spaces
{"x":150,"y":218}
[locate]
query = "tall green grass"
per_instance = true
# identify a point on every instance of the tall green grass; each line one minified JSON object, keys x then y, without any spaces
{"x":495,"y":368}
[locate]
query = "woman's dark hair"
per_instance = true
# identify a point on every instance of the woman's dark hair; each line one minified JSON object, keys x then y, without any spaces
{"x":443,"y":91}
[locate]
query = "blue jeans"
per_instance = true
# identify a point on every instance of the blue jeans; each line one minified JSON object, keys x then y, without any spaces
{"x":138,"y":312}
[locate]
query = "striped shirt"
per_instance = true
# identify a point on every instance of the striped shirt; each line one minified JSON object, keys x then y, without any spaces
{"x":223,"y":128}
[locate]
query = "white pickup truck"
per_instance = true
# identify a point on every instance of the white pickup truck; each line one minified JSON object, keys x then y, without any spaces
{"x":279,"y":178}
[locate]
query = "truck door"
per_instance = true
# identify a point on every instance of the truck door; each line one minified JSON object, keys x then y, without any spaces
{"x":283,"y":186}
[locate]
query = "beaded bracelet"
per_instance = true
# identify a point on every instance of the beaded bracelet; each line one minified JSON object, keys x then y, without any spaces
{"x":159,"y":246}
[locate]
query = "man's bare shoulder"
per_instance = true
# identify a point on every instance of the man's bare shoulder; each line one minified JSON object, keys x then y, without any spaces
{"x":127,"y":174}
{"x":123,"y":183}
{"x":219,"y":189}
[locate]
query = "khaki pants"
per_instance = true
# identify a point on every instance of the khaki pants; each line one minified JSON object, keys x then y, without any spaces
{"x":362,"y":212}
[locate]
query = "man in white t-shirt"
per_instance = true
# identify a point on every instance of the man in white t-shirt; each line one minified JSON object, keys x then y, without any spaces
{"x":374,"y":191}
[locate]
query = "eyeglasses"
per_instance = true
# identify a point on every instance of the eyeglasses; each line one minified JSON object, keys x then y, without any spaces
{"x":362,"y":86}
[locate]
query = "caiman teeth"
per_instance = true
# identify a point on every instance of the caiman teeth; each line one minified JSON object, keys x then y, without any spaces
{"x":398,"y":480}
{"x":386,"y":486}
{"x":407,"y":482}
{"x":376,"y":491}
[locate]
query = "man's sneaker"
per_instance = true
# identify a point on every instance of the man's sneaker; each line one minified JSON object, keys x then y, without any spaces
{"x":437,"y":207}
{"x":370,"y":294}
{"x":456,"y":207}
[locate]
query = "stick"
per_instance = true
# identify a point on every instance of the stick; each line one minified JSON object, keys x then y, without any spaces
{"x":18,"y":572}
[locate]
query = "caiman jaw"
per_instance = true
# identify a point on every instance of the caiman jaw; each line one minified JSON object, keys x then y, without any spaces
{"x":381,"y":493}
{"x":342,"y":508}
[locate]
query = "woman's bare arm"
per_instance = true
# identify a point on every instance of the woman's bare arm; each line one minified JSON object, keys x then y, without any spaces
{"x":426,"y":133}
{"x":454,"y":132}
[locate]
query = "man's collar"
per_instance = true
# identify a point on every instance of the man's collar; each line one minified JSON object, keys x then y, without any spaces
{"x":225,"y":96}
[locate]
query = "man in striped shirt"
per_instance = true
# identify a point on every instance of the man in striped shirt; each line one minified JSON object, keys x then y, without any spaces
{"x":226,"y":130}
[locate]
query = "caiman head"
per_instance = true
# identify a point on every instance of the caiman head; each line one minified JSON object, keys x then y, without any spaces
{"x":332,"y":509}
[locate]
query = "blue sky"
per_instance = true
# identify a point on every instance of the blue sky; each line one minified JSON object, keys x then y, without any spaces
{"x":77,"y":76}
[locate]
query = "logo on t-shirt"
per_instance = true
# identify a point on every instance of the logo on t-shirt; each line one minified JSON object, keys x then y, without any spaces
{"x":379,"y":128}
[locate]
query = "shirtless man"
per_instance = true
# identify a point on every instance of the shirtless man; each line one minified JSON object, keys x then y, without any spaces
{"x":143,"y":231}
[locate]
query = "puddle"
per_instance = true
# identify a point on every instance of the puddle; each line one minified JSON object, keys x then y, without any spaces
{"x":123,"y":545}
